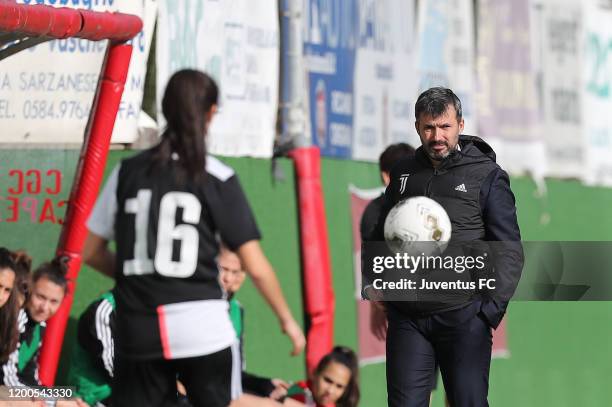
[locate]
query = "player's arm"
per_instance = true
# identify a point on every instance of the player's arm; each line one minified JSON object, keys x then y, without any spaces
{"x":233,"y":216}
{"x":101,"y":224}
{"x":264,"y":278}
{"x":97,"y":254}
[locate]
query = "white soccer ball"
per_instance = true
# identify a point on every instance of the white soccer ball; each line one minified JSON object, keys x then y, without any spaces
{"x":418,"y":225}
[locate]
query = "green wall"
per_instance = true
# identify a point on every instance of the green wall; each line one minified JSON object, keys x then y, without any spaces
{"x":560,"y":352}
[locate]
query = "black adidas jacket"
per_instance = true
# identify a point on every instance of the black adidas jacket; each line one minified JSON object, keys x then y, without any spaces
{"x":475,"y":192}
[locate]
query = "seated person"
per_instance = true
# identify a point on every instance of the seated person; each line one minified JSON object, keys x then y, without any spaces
{"x":49,"y":285}
{"x":92,"y":362}
{"x":23,"y":278}
{"x":9,"y":308}
{"x":91,"y":369}
{"x":91,"y":365}
{"x":334,"y":381}
{"x":258,"y":391}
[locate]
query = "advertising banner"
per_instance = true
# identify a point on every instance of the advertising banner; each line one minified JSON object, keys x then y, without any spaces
{"x":507,"y":101}
{"x":597,"y":91}
{"x":446,"y":52}
{"x":330,"y":39}
{"x":237,"y":43}
{"x":47,"y":90}
{"x":558,"y":36}
{"x":385,"y":81}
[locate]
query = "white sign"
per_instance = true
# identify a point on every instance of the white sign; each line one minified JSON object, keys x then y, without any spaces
{"x":385,"y":85}
{"x":47,"y":90}
{"x":508,"y":107}
{"x":446,"y":52}
{"x":597,"y":88}
{"x":237,"y":43}
{"x":557,"y":55}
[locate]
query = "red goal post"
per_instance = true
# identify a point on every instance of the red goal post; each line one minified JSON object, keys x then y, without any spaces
{"x":23,"y":26}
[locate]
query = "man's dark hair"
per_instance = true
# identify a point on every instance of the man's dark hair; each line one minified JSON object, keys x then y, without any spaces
{"x":434,"y":101}
{"x":393,"y":154}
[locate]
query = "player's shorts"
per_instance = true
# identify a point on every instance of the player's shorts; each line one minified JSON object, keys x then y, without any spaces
{"x":211,"y":380}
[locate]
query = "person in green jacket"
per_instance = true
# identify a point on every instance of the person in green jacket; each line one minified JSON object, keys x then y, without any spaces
{"x":91,"y":365}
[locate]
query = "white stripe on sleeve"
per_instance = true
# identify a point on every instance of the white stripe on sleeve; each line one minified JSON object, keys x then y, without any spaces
{"x":105,"y":335}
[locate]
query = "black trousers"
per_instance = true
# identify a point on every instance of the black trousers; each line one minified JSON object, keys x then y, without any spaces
{"x":459,"y":340}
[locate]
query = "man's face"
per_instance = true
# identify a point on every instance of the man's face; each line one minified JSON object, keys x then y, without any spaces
{"x":45,"y":299}
{"x":232,"y":276}
{"x":439,"y":135}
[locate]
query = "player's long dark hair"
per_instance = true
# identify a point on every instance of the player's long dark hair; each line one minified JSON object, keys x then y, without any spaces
{"x":189,"y":97}
{"x":9,"y":334}
{"x":346,"y":357}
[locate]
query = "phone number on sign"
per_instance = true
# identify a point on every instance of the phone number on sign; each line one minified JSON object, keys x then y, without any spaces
{"x":28,"y":393}
{"x":65,"y":109}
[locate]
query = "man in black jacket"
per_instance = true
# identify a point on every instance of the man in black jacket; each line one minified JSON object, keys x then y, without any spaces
{"x":460,"y":173}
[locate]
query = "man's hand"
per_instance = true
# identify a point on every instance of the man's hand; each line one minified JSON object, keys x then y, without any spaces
{"x":295,"y":334}
{"x":372,"y":294}
{"x":378,"y":320}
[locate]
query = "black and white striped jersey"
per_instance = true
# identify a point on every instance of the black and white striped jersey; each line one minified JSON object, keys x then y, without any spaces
{"x":169,"y":300}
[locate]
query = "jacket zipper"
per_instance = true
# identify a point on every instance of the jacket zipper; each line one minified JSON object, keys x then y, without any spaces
{"x":428,"y":186}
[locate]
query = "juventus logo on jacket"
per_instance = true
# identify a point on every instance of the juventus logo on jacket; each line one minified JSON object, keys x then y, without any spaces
{"x":403,"y":180}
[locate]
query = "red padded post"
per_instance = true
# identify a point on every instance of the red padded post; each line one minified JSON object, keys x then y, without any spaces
{"x":83,"y":196}
{"x":319,"y":302}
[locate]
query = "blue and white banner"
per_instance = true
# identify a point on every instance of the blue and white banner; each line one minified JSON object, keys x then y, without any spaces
{"x":47,"y":90}
{"x":330,"y":39}
{"x":237,"y":43}
{"x":446,"y":52}
{"x":385,"y":80}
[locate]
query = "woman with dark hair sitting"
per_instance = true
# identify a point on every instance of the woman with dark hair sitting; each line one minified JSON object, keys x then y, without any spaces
{"x":49,"y":285}
{"x":9,"y":307}
{"x":334,"y":381}
{"x":23,"y":275}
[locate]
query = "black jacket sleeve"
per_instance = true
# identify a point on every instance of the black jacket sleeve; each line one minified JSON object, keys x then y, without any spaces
{"x":501,"y":228}
{"x":95,"y":335}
